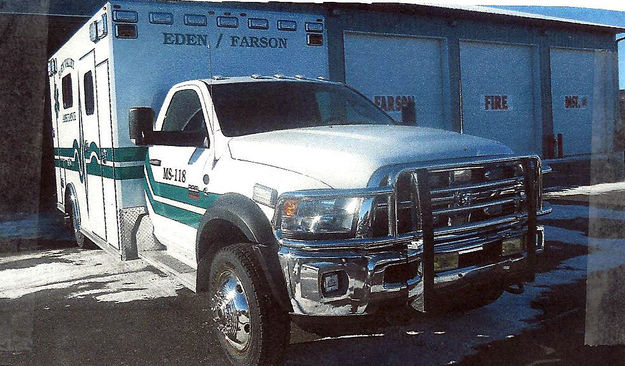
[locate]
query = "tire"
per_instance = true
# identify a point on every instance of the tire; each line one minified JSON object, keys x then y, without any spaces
{"x":81,"y":240}
{"x":258,"y":335}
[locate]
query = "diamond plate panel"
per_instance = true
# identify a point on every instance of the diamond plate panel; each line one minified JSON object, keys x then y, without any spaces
{"x":129,"y":220}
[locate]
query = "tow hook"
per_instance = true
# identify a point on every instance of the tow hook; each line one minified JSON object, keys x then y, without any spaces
{"x":517,"y":289}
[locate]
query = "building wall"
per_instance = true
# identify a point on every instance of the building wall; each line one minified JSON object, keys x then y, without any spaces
{"x":455,"y":28}
{"x":26,"y":161}
{"x":26,"y":41}
{"x":23,"y":42}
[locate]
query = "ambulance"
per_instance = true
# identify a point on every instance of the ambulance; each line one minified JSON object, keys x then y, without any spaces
{"x":209,"y":142}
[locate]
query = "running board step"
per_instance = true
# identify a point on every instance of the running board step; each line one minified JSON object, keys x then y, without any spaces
{"x":170,"y":265}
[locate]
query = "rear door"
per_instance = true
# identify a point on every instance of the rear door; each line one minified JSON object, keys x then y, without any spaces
{"x":176,"y":169}
{"x":90,"y":145}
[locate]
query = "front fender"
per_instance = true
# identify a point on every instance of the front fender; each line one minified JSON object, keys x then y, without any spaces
{"x":243,"y":214}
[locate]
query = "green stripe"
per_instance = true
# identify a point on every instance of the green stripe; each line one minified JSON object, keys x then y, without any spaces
{"x":66,"y":152}
{"x":117,"y":154}
{"x":122,"y":173}
{"x":179,"y":194}
{"x":172,"y":212}
{"x":93,"y":168}
{"x":125,"y":154}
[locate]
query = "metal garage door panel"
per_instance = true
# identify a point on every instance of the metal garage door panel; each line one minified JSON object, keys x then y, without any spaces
{"x":571,"y":92}
{"x":389,"y":69}
{"x":583,"y":99}
{"x":498,"y":94}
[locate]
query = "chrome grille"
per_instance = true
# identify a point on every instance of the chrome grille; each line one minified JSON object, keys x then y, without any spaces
{"x":468,"y":203}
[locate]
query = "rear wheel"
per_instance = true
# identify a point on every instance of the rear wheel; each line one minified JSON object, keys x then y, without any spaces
{"x":74,"y":219}
{"x":247,"y":322}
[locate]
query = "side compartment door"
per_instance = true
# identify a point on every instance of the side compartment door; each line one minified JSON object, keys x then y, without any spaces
{"x":177,"y":163}
{"x":54,"y":119}
{"x":107,"y":158}
{"x":91,"y":145}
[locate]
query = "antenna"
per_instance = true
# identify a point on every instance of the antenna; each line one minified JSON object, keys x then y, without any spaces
{"x":210,"y":61}
{"x":212,"y":106}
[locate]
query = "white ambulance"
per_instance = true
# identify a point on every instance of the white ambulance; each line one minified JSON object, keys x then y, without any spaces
{"x":275,"y":194}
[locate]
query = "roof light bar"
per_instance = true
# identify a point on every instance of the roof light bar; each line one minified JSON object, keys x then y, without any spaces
{"x":287,"y":25}
{"x":125,"y":16}
{"x":314,"y":27}
{"x":162,"y":18}
{"x":257,"y":23}
{"x":195,"y":19}
{"x":228,"y":22}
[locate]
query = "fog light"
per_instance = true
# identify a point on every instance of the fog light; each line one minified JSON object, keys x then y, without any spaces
{"x":540,"y":237}
{"x":512,"y":246}
{"x":445,"y":261}
{"x":330,"y":282}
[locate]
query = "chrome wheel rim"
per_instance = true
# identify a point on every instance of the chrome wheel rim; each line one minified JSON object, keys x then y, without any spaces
{"x":231,"y":311}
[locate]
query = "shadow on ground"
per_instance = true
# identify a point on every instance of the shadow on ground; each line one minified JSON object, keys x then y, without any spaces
{"x":61,"y":330}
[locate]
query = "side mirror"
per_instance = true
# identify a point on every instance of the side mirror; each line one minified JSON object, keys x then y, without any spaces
{"x":408,"y":113}
{"x":140,"y":121}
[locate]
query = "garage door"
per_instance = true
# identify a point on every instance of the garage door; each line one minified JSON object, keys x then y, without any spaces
{"x":392,"y":69}
{"x":498,"y":94}
{"x":583,"y":99}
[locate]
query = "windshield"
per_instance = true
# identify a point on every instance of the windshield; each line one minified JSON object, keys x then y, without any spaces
{"x":254,"y":107}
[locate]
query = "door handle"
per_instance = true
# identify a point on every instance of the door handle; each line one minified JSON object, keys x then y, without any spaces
{"x":155,"y":162}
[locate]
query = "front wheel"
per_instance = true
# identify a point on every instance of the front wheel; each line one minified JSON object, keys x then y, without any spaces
{"x":247,"y":322}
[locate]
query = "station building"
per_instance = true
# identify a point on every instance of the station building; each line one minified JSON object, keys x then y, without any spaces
{"x":541,"y":85}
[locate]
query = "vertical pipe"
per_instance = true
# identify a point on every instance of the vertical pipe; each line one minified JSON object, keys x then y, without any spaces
{"x":560,"y":146}
{"x":427,"y":223}
{"x":530,"y":165}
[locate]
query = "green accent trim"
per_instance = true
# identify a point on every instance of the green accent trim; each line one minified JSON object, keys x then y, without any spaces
{"x":180,"y":194}
{"x":123,"y":173}
{"x":66,"y":152}
{"x":126,"y":154}
{"x":172,"y":212}
{"x":116,"y":154}
{"x":93,"y":168}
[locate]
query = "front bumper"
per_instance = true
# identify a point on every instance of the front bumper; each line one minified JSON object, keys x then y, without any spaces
{"x":368,"y":279}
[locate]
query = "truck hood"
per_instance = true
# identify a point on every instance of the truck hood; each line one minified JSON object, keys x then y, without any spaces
{"x":347,"y":156}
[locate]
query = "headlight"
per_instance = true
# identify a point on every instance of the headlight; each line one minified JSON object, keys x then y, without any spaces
{"x":308,"y":218}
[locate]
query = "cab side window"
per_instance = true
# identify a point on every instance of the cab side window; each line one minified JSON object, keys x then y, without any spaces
{"x":184,"y":114}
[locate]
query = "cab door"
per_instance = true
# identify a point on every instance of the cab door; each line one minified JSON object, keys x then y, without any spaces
{"x":90,"y":144}
{"x":177,"y":171}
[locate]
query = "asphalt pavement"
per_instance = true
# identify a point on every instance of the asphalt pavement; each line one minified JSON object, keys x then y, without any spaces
{"x":63,"y":306}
